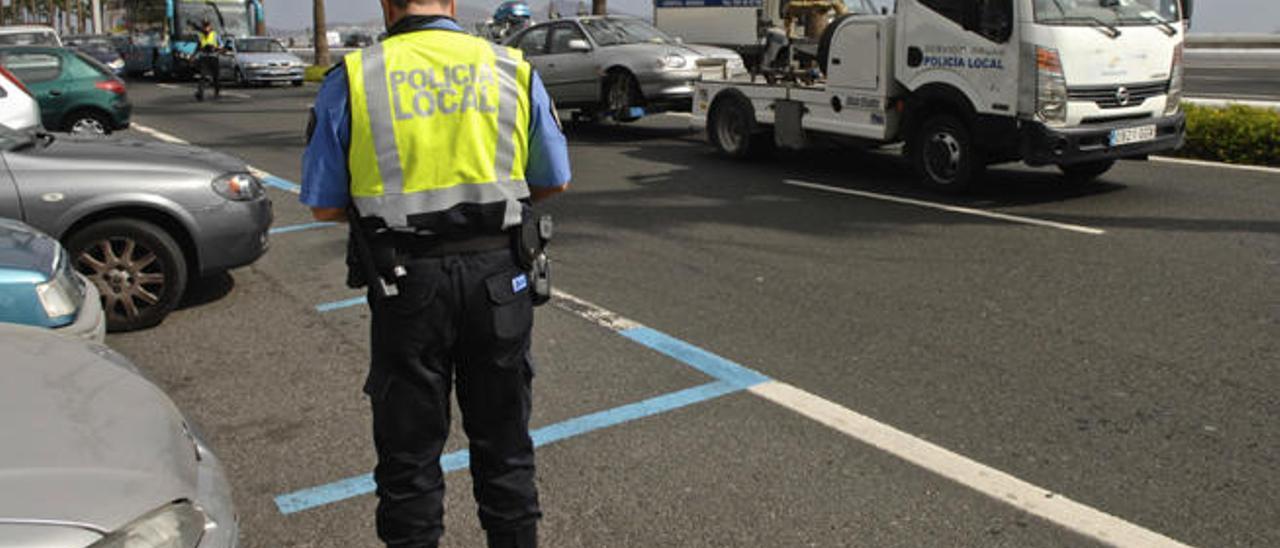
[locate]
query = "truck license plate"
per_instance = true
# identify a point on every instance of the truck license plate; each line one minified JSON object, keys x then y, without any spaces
{"x":1131,"y":135}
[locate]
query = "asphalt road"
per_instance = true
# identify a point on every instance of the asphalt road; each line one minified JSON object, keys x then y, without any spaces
{"x":1130,"y":367}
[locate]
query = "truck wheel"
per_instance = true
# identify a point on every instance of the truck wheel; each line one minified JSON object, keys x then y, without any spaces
{"x":731,"y":128}
{"x":1087,"y":172}
{"x":138,"y":267}
{"x":943,"y":155}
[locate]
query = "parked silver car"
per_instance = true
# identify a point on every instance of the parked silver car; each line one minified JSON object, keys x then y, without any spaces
{"x":265,"y":61}
{"x":96,"y":456}
{"x":619,"y":66}
{"x":139,"y":218}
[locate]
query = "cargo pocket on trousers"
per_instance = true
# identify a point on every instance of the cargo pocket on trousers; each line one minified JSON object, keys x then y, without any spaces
{"x":511,"y":314}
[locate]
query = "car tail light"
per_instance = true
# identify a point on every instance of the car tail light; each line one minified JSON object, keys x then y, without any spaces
{"x":6,"y":74}
{"x":114,"y":86}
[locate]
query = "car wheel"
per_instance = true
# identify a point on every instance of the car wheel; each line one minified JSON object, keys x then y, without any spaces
{"x":1087,"y":172}
{"x":622,"y":92}
{"x":944,"y":156}
{"x":138,"y":268}
{"x":732,"y":129}
{"x":88,"y":123}
{"x":241,"y":80}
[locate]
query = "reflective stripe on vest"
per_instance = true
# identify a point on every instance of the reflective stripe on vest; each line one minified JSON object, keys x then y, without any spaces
{"x":210,"y":40}
{"x":439,"y":121}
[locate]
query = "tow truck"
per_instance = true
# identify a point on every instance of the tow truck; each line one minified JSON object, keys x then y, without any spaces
{"x":964,"y":84}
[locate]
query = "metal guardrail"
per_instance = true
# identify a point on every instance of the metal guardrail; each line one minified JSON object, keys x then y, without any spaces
{"x":1233,"y":41}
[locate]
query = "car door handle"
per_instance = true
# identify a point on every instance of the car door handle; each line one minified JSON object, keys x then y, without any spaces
{"x":55,"y":93}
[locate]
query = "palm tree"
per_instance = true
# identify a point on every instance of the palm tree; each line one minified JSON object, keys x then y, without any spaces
{"x":321,"y":38}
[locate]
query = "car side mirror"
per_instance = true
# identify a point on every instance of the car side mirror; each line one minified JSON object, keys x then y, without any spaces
{"x":579,"y":45}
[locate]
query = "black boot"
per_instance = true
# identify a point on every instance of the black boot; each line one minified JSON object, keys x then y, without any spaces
{"x":526,"y":537}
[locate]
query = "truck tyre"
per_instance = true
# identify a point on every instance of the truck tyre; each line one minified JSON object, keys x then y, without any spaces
{"x":731,"y":128}
{"x":139,"y":269}
{"x":944,"y":156}
{"x":1087,"y":172}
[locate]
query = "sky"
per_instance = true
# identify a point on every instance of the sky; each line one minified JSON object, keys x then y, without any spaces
{"x":1210,"y":16}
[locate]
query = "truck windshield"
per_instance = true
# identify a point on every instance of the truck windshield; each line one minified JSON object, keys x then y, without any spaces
{"x":191,"y":15}
{"x":612,"y":31}
{"x":1107,"y":12}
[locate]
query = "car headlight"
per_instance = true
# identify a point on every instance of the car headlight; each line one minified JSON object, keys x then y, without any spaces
{"x":62,"y":295}
{"x":255,"y":65}
{"x":177,"y":525}
{"x":238,"y":187}
{"x":672,"y":61}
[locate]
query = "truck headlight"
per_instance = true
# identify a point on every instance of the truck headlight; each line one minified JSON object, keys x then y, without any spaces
{"x":239,"y":187}
{"x":1173,"y":101}
{"x":1051,"y":86}
{"x":672,"y":61}
{"x":177,"y":525}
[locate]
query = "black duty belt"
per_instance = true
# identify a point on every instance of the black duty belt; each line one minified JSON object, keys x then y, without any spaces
{"x":440,"y":246}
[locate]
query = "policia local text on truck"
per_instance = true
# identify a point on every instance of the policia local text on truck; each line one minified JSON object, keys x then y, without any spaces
{"x":967,"y":83}
{"x":433,"y":144}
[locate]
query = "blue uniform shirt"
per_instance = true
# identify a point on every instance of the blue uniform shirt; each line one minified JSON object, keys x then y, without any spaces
{"x":326,"y":182}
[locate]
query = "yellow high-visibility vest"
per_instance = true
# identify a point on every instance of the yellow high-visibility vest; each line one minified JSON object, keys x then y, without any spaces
{"x":208,"y":39}
{"x":439,"y":128}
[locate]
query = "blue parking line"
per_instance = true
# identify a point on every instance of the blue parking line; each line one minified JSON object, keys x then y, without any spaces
{"x":282,"y":184}
{"x":362,"y":485}
{"x":339,"y":305}
{"x":300,"y":227}
{"x":697,"y":358}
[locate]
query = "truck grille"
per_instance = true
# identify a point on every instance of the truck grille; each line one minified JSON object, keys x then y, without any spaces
{"x":1128,"y":95}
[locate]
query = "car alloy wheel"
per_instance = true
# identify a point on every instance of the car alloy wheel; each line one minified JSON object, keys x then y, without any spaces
{"x":127,"y":273}
{"x":88,"y":126}
{"x":139,"y":268}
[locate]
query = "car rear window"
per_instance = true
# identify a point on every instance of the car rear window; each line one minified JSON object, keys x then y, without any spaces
{"x":35,"y":38}
{"x":89,"y":67}
{"x":33,"y":68}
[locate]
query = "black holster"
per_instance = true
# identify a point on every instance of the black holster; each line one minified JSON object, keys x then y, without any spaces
{"x":530,"y":243}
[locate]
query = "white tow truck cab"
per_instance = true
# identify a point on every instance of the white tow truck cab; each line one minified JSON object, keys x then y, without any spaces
{"x":968,"y":83}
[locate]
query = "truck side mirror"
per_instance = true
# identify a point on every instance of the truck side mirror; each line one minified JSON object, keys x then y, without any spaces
{"x":1187,"y":8}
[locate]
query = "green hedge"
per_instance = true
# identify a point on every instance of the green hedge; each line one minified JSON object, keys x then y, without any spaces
{"x":1236,"y":134}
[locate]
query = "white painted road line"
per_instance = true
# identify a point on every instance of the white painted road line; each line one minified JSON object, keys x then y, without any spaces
{"x":950,"y":208}
{"x":984,"y":479}
{"x":159,"y":134}
{"x":998,"y":485}
{"x":237,"y":95}
{"x":1219,"y":165}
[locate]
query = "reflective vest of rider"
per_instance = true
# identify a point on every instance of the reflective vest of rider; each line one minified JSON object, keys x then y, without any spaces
{"x":208,"y":40}
{"x":439,"y":132}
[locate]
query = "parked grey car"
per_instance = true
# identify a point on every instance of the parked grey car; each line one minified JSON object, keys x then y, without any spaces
{"x":265,"y":61}
{"x":39,"y":287}
{"x":139,"y":218}
{"x":96,"y":456}
{"x":616,"y":65}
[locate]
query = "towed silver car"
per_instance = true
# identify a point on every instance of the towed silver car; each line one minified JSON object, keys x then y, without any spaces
{"x":619,"y":66}
{"x":139,"y":218}
{"x":96,"y":456}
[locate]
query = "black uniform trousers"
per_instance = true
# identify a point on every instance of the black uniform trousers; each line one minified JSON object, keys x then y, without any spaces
{"x":208,"y":67}
{"x":460,"y":320}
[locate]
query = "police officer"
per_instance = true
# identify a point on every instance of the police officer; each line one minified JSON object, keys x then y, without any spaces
{"x":207,"y":60}
{"x":441,"y":140}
